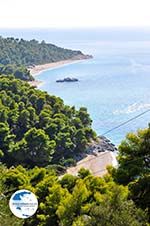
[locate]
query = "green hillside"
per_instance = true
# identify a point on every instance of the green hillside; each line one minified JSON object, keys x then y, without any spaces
{"x":18,"y":54}
{"x":22,"y":52}
{"x":37,"y":129}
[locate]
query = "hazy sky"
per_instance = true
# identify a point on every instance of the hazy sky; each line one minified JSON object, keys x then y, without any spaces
{"x":74,"y":13}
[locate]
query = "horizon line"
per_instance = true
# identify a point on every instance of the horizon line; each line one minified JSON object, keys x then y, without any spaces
{"x":75,"y":28}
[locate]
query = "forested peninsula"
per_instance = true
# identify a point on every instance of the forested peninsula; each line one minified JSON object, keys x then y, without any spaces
{"x":40,"y":137}
{"x":16,"y":55}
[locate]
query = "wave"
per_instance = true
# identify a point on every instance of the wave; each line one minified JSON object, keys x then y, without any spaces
{"x":132,"y":108}
{"x":135,"y":66}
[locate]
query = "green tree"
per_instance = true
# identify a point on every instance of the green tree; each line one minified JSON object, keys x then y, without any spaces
{"x":69,"y":201}
{"x":34,"y":149}
{"x":134,"y":166}
{"x":71,"y":207}
{"x":125,"y":214}
{"x":6,"y":139}
{"x":84,"y":116}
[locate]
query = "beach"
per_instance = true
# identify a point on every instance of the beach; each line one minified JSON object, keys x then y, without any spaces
{"x":97,"y":164}
{"x":37,"y":69}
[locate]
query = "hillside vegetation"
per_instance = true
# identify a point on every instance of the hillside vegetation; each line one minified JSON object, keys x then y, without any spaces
{"x":20,"y":71}
{"x":36,"y":128}
{"x":82,"y":200}
{"x":19,"y":51}
{"x":17,"y":54}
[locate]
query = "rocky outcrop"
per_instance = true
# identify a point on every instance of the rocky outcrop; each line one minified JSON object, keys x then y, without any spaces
{"x":102,"y":144}
{"x":98,"y":156}
{"x":95,"y":147}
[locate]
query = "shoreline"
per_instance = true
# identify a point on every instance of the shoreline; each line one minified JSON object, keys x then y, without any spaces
{"x":38,"y":69}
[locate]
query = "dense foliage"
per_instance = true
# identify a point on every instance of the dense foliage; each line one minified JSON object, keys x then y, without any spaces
{"x":134,"y":167}
{"x":37,"y":129}
{"x":82,"y":200}
{"x":22,"y":52}
{"x":20,"y":72}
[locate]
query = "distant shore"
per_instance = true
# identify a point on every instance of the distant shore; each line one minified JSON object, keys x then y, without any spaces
{"x":37,"y":69}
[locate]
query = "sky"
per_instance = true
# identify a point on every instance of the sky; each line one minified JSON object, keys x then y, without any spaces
{"x":74,"y":13}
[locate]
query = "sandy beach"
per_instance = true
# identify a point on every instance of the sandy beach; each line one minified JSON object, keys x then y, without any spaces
{"x":97,"y":164}
{"x":37,"y":69}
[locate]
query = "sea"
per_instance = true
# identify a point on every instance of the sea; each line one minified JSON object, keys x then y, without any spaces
{"x":114,"y":85}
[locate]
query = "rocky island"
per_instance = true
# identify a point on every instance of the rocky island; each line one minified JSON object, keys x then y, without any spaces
{"x":68,"y":79}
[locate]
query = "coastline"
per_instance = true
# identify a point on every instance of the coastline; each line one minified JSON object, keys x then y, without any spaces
{"x":37,"y":69}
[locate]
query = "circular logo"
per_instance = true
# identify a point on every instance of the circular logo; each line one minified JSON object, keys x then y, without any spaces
{"x":23,"y":204}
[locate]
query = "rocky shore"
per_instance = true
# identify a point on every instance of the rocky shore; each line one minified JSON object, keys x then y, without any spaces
{"x":102,"y":144}
{"x":98,"y":156}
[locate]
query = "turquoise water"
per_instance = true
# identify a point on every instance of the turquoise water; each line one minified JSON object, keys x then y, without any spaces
{"x":114,"y":85}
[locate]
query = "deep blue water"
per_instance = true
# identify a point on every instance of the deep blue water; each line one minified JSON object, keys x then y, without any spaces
{"x":114,"y":85}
